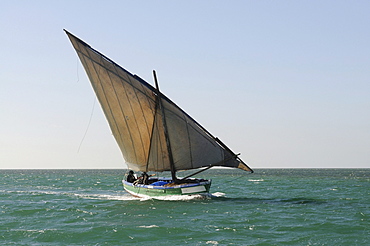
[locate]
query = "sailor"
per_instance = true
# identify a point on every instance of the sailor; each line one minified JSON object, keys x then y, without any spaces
{"x":145,"y":178}
{"x":130,"y":177}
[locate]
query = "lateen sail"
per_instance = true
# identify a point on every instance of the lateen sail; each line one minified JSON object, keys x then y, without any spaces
{"x":130,"y":106}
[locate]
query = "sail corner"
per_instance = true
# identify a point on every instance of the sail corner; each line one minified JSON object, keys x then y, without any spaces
{"x":244,"y":167}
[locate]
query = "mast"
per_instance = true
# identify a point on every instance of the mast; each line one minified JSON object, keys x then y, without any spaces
{"x":170,"y":156}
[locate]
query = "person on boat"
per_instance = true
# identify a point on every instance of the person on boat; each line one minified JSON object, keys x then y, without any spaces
{"x":130,"y":177}
{"x":145,"y":178}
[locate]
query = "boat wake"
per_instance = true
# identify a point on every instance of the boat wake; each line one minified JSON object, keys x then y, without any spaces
{"x":118,"y":197}
{"x":124,"y":196}
{"x":186,"y":197}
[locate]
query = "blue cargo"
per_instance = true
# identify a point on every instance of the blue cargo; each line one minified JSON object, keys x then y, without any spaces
{"x":159,"y":183}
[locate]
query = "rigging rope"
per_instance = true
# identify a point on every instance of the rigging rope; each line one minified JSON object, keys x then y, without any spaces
{"x":88,"y":125}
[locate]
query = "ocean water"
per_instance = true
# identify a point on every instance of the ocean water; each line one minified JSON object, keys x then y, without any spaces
{"x":269,"y":207}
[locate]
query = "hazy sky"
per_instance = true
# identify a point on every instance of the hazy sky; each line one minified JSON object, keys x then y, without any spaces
{"x":285,"y":83}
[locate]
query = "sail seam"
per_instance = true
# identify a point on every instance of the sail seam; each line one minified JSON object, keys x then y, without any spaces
{"x":189,"y":142}
{"x":143,"y":115}
{"x":123,"y":115}
{"x":150,"y":143}
{"x":134,"y":115}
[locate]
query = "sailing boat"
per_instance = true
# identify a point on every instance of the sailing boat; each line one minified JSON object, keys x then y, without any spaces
{"x":152,"y":132}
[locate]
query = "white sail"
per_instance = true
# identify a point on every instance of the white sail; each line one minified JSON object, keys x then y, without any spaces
{"x":131,"y":107}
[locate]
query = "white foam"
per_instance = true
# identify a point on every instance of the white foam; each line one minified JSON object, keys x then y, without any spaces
{"x":123,"y":197}
{"x":150,"y":226}
{"x":126,"y":196}
{"x":181,"y":197}
{"x":218,"y":194}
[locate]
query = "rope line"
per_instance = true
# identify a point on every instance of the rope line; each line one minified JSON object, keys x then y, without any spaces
{"x":88,"y":125}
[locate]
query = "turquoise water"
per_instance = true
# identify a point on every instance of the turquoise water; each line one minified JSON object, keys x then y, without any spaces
{"x":269,"y":207}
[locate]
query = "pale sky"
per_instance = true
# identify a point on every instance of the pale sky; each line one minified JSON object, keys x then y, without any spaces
{"x":284,"y":83}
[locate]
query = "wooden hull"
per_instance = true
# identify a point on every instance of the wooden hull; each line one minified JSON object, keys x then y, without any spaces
{"x":153,"y":191}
